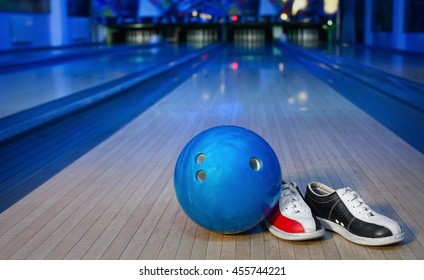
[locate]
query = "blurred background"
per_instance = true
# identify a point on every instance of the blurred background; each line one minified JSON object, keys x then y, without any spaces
{"x":397,"y":24}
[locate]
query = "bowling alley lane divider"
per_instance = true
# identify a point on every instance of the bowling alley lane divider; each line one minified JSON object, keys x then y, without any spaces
{"x":68,"y":54}
{"x":18,"y":124}
{"x":403,"y":90}
{"x":388,"y":100}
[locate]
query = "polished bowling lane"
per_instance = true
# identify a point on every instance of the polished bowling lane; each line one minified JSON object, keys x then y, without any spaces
{"x":98,"y":183}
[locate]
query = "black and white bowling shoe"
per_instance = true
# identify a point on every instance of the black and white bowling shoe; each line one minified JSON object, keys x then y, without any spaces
{"x":343,"y":211}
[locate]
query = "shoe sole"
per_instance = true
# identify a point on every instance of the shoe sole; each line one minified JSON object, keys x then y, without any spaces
{"x":360,"y":239}
{"x":294,"y":236}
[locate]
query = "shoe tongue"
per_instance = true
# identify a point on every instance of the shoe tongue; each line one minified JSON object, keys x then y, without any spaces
{"x":293,"y":201}
{"x":299,"y":192}
{"x":353,"y":198}
{"x":348,"y":194}
{"x":343,"y":191}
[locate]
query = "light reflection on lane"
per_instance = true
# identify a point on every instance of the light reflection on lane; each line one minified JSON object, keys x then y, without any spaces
{"x":25,"y":89}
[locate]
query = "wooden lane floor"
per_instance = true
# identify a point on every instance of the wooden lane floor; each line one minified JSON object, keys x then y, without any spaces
{"x":117,"y":200}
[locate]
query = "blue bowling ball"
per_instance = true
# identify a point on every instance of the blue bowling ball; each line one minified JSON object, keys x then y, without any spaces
{"x":227,"y":179}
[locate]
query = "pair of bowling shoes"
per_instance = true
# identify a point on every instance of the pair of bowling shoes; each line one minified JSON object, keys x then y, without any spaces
{"x":343,"y":211}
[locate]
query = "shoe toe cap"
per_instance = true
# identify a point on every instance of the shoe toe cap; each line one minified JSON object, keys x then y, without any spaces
{"x":309,"y":224}
{"x":376,"y":227}
{"x":388,"y":226}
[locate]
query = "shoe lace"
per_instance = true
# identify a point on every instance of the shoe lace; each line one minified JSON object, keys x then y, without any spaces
{"x":290,"y":196}
{"x":357,"y":202}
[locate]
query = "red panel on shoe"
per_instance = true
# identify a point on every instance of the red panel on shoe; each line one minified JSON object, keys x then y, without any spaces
{"x":284,"y":223}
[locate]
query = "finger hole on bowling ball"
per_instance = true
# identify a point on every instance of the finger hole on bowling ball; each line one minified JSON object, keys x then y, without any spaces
{"x":255,"y":164}
{"x":200,"y":158}
{"x":201,"y":176}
